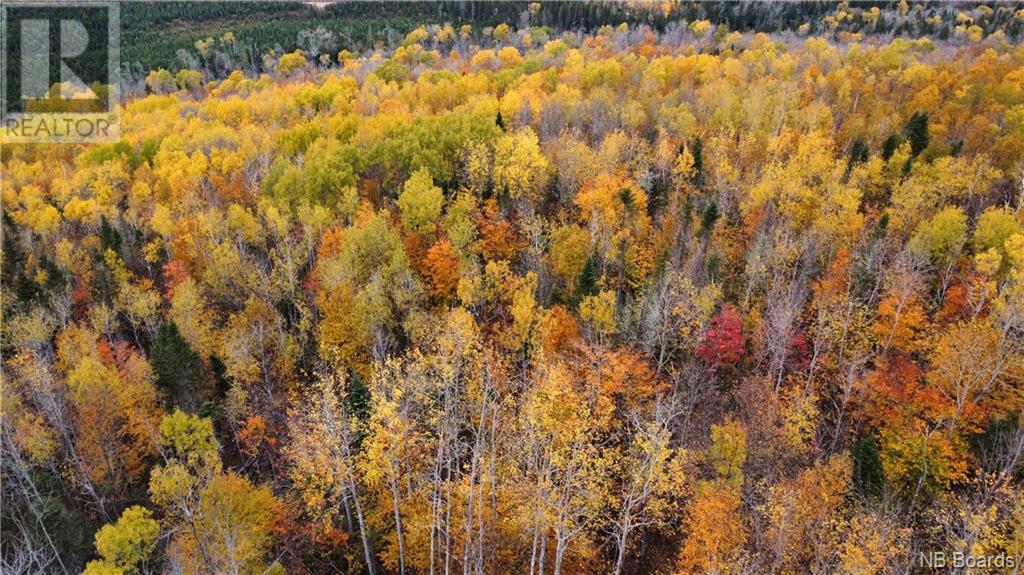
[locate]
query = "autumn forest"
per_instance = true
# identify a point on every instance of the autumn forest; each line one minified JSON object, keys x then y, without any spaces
{"x":515,"y":299}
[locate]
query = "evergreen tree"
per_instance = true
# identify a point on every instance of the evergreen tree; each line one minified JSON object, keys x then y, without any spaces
{"x":917,"y":133}
{"x":889,"y":146}
{"x":220,"y":377}
{"x":110,"y":239}
{"x":868,"y":475}
{"x":587,"y":284}
{"x":698,"y":161}
{"x":177,"y":367}
{"x":858,"y":154}
{"x":626,"y":197}
{"x":708,"y":219}
{"x":358,"y":397}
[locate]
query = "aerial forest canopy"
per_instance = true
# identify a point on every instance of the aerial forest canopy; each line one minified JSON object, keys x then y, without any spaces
{"x":681,"y":298}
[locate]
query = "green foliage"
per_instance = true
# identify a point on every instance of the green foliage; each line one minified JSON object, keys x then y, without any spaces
{"x":890,"y":145}
{"x":70,"y":529}
{"x":358,"y":398}
{"x":868,"y":474}
{"x":178,"y":369}
{"x":110,"y":239}
{"x":859,"y":154}
{"x":328,"y":177}
{"x":697,"y":151}
{"x":427,"y":142}
{"x":586,"y":285}
{"x":709,"y":217}
{"x":917,"y":133}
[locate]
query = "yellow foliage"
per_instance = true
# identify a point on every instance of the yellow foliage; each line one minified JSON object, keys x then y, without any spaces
{"x":599,"y":312}
{"x":290,"y":63}
{"x":520,"y":169}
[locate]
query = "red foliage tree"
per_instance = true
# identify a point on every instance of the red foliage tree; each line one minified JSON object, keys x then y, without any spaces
{"x":723,"y":343}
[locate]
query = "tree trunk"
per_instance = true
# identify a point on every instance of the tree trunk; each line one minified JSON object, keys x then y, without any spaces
{"x":398,"y":527}
{"x":362,"y":525}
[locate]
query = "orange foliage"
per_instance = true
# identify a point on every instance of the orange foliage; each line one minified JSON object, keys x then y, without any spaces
{"x":899,"y":321}
{"x":895,"y":394}
{"x":175,"y":272}
{"x":835,"y":281}
{"x":498,"y":237}
{"x":441,"y":266}
{"x":714,"y":530}
{"x":624,"y":375}
{"x":253,"y":434}
{"x":561,"y":330}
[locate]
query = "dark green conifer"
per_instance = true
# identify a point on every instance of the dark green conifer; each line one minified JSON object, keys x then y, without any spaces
{"x":917,"y":133}
{"x":587,"y":284}
{"x":178,"y":369}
